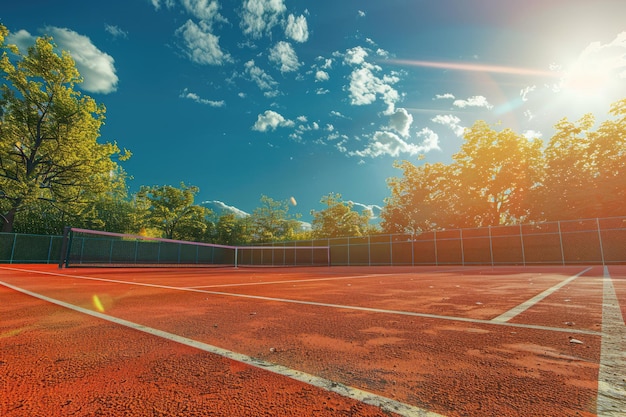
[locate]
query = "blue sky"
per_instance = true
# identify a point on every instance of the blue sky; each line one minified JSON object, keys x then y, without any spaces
{"x":287,"y":98}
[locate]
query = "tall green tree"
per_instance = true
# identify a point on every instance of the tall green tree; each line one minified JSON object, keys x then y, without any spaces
{"x":172,"y":211}
{"x":272,"y":222}
{"x":339,"y":219}
{"x":49,"y":150}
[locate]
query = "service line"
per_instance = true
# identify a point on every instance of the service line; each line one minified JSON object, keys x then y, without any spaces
{"x":505,"y":317}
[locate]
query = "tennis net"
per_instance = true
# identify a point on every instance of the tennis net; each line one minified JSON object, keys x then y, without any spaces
{"x":83,"y":247}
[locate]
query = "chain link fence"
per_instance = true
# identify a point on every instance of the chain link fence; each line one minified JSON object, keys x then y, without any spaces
{"x":590,"y":241}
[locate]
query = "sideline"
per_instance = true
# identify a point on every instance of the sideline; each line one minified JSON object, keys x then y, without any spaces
{"x":611,"y":383}
{"x":386,"y":404}
{"x":568,"y":330}
{"x":505,"y":317}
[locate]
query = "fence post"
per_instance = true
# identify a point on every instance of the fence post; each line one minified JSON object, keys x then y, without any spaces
{"x":391,"y":249}
{"x":600,"y":240}
{"x":490,"y":245}
{"x":561,"y":243}
{"x":462,"y":248}
{"x":13,"y":248}
{"x":521,"y":237}
{"x":436,"y":254}
{"x":369,"y":250}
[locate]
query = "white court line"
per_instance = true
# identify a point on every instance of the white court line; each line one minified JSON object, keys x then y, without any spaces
{"x":386,"y":404}
{"x":505,"y":317}
{"x":319,"y":304}
{"x":291,"y":281}
{"x":611,"y":399}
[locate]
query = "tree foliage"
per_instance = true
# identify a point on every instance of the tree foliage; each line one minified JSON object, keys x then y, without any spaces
{"x":272,"y":222}
{"x":172,"y":211}
{"x":339,"y":219}
{"x":49,"y":153}
{"x":501,"y":177}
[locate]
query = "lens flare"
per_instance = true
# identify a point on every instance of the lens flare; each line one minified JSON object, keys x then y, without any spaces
{"x":467,"y":66}
{"x":97,"y":303}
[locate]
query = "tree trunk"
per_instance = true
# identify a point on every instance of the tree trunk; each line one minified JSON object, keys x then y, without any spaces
{"x":7,"y":220}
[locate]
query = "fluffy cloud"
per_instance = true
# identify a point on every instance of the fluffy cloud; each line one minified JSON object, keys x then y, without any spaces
{"x":297,"y":28}
{"x":263,"y":80}
{"x":96,"y":67}
{"x":475,"y":101}
{"x":388,"y":143}
{"x":193,"y":96}
{"x":271,"y":120}
{"x":260,"y":16}
{"x":168,"y":3}
{"x":322,"y":76}
{"x":365,"y":86}
{"x":451,"y":121}
{"x":206,"y":10}
{"x":401,"y":121}
{"x":202,"y":47}
{"x":283,"y":55}
{"x":373,"y":208}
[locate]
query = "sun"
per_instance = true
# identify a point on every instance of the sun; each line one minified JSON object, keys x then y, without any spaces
{"x":587,"y":80}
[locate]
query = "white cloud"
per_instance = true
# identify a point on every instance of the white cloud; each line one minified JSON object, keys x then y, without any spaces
{"x":206,"y":10}
{"x":322,"y":76}
{"x":271,"y":120}
{"x":401,"y":121}
{"x":444,"y":96}
{"x":96,"y":67}
{"x":355,"y":56}
{"x":373,"y":208}
{"x":115,"y":31}
{"x":202,"y":47}
{"x":297,"y":28}
{"x":193,"y":96}
{"x":168,"y":3}
{"x":260,"y":16}
{"x":474,"y":101}
{"x":532,"y":134}
{"x":451,"y":121}
{"x":388,"y":143}
{"x":263,"y":80}
{"x":365,"y":86}
{"x":361,"y":13}
{"x":221,"y":206}
{"x":22,"y":39}
{"x":283,"y":55}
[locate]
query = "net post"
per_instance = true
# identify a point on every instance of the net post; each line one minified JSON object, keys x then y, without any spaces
{"x":65,"y":248}
{"x":236,"y":255}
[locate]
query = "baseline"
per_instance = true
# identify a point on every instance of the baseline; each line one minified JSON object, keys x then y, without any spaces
{"x":505,"y":317}
{"x":386,"y":404}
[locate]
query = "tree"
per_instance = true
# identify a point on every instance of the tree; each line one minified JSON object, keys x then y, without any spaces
{"x":232,"y":230}
{"x":420,"y":200}
{"x":495,"y":171}
{"x":172,"y":210}
{"x":48,"y":136}
{"x":271,"y":221}
{"x":338,"y":219}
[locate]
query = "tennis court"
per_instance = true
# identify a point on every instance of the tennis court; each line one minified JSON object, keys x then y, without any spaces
{"x":469,"y":341}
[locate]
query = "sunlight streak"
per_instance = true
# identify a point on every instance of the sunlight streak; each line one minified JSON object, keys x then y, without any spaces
{"x":465,"y":66}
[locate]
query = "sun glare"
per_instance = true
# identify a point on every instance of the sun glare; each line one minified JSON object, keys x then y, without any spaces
{"x":587,"y":80}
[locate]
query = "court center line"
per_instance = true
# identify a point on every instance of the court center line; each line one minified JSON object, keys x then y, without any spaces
{"x":505,"y":317}
{"x":329,"y":305}
{"x":384,"y":403}
{"x":611,"y":400}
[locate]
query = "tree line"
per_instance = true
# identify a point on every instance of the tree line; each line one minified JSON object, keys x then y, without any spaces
{"x":54,"y":171}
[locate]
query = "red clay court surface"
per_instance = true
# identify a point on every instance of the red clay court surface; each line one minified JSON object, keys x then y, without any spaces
{"x":338,"y":341}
